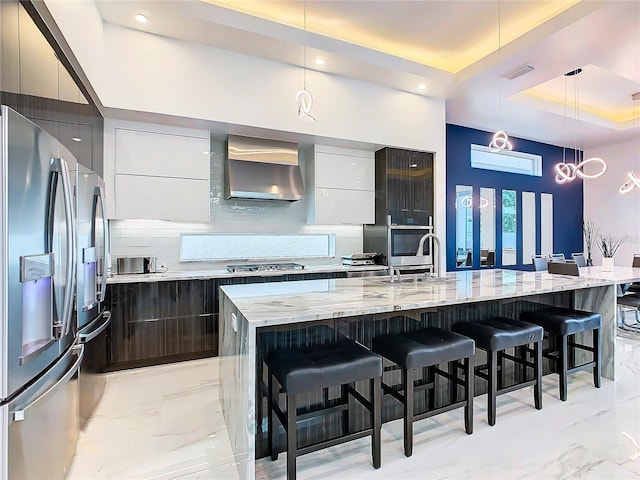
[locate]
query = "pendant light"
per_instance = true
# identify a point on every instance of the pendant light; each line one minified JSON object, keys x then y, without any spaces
{"x":500,"y":140}
{"x":303,"y":97}
{"x":568,"y":172}
{"x":633,"y":181}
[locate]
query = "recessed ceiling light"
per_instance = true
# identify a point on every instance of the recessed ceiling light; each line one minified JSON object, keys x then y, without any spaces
{"x":320,"y":61}
{"x":76,"y":139}
{"x":413,"y":165}
{"x":141,"y":18}
{"x":422,"y":86}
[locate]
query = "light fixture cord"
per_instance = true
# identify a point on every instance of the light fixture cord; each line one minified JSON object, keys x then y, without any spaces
{"x":304,"y":69}
{"x":576,"y":117}
{"x":564,"y":148}
{"x":500,"y":57}
{"x":578,"y":129}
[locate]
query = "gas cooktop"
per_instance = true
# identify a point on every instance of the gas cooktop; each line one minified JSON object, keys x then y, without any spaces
{"x":264,"y":267}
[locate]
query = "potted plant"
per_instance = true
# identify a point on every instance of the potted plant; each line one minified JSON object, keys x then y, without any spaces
{"x":608,"y":246}
{"x":590,"y":233}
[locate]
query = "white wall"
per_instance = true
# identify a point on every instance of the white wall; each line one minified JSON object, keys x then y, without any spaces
{"x":149,"y":73}
{"x":612,"y":212}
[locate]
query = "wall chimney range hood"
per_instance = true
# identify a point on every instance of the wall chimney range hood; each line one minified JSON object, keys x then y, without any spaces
{"x":262,"y":169}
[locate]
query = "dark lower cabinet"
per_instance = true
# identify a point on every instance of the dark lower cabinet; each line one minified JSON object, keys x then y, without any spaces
{"x":162,"y":322}
{"x":191,"y":335}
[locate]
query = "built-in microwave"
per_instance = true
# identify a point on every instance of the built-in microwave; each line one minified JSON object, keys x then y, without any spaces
{"x":402,"y":246}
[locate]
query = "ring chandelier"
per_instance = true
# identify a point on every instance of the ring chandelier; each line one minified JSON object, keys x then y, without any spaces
{"x":303,"y":97}
{"x":305,"y":103}
{"x":568,"y":172}
{"x":630,"y":184}
{"x":499,"y":142}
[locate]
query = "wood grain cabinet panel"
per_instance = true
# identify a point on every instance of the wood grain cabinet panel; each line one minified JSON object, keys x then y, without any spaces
{"x":162,"y":322}
{"x":404,"y":187}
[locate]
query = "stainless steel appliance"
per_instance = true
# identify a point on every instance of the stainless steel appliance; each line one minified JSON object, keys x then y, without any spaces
{"x":262,"y":169}
{"x":359,"y":259}
{"x":401,"y":243}
{"x":132,"y":265}
{"x":38,"y":358}
{"x":264,"y":267}
{"x":92,"y":268}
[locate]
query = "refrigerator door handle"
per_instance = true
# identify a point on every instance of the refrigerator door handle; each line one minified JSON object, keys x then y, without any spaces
{"x":106,"y":261}
{"x":19,"y":415}
{"x":87,"y":337}
{"x":62,"y":167}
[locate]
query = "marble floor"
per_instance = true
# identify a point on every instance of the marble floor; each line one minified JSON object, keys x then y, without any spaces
{"x":166,"y":423}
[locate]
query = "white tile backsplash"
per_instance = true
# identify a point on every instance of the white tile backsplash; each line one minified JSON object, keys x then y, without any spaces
{"x":161,"y":239}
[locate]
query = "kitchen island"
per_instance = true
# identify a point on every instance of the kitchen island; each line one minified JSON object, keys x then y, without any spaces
{"x":363,"y":307}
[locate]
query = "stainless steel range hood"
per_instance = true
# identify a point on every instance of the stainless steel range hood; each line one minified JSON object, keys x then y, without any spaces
{"x":262,"y":169}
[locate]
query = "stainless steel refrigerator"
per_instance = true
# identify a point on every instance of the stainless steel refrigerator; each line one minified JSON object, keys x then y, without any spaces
{"x":92,"y":268}
{"x":39,"y":357}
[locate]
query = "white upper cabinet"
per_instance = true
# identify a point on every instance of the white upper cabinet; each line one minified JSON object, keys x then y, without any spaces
{"x":340,"y":185}
{"x":161,"y":154}
{"x":156,"y":172}
{"x":348,"y":172}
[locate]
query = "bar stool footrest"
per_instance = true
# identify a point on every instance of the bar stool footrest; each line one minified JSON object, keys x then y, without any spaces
{"x":333,"y":442}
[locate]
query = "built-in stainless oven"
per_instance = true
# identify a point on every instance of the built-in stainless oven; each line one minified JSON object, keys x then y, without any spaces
{"x":402,"y":246}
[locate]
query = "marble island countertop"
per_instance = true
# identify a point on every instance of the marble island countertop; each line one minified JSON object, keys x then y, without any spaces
{"x":617,"y":275}
{"x":223,"y":273}
{"x":245,"y":310}
{"x":274,"y":304}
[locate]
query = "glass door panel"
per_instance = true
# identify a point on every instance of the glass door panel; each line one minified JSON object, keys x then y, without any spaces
{"x":487,"y":227}
{"x":509,"y":227}
{"x":464,"y":226}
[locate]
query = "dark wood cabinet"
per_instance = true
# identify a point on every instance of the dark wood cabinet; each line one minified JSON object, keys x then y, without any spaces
{"x":404,"y":187}
{"x":162,"y":322}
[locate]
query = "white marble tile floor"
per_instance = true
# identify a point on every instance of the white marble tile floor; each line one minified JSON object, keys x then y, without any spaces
{"x":166,"y":423}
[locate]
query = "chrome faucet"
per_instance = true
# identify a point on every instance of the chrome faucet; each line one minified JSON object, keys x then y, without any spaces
{"x":420,"y":253}
{"x":394,"y":273}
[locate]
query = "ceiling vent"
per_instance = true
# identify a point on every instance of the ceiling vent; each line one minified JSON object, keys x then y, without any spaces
{"x":518,"y":72}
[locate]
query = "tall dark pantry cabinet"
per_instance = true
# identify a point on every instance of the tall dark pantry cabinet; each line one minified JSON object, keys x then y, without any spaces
{"x":404,"y":199}
{"x":404,"y":187}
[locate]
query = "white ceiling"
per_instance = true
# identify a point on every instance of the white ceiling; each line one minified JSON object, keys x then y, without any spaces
{"x":451,"y":46}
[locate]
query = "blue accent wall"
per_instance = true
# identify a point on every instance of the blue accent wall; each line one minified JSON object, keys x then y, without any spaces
{"x":567,"y":198}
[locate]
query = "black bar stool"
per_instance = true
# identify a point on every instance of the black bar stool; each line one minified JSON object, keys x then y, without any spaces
{"x":305,"y":369}
{"x":495,"y":336}
{"x":564,"y":323}
{"x":287,"y":338}
{"x":428,"y":348}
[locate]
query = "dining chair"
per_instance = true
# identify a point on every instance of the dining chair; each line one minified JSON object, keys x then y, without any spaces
{"x":579,"y":259}
{"x":557,"y":257}
{"x":563,"y":268}
{"x":491,"y":258}
{"x":539,"y":263}
{"x":634,"y":288}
